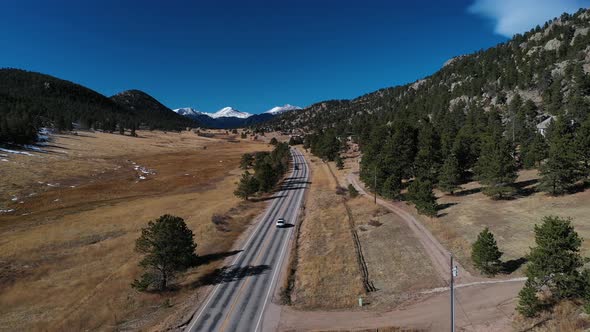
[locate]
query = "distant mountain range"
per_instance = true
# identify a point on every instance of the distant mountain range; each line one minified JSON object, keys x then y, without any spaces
{"x":30,"y":100}
{"x":229,"y":117}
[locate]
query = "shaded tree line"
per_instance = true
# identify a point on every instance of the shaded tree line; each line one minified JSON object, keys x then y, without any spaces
{"x":268,"y":168}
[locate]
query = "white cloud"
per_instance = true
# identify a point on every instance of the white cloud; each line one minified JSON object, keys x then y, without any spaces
{"x":518,"y":16}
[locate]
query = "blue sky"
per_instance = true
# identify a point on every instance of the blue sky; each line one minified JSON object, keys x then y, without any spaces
{"x":253,"y":55}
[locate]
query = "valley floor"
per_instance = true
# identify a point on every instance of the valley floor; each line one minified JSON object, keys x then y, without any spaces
{"x":67,"y":249}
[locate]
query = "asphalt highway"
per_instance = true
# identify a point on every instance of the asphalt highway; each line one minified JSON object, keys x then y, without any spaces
{"x":239,"y":300}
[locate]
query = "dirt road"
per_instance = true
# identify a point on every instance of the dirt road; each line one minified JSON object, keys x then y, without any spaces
{"x":481,"y":307}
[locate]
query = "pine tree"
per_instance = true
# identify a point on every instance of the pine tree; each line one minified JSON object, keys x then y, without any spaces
{"x":533,"y":150}
{"x":582,"y":141}
{"x":555,"y":260}
{"x":427,"y":162}
{"x":556,"y":99}
{"x":466,"y":148}
{"x":420,"y":193}
{"x":169,"y":247}
{"x":339,"y":162}
{"x":266,"y":176}
{"x":392,"y":186}
{"x":562,"y":168}
{"x":528,"y":302}
{"x":247,"y":161}
{"x":247,"y":186}
{"x":133,"y":126}
{"x":274,"y":141}
{"x":485,"y":253}
{"x":516,"y":122}
{"x":450,"y":175}
{"x":496,"y":167}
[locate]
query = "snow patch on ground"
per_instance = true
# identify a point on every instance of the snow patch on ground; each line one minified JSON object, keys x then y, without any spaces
{"x":142,"y":172}
{"x":33,"y":147}
{"x":15,"y":152}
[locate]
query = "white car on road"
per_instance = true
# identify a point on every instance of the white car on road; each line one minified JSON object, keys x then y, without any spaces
{"x":280,"y":222}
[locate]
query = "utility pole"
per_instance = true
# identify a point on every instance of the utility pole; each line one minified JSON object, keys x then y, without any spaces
{"x":375,"y":186}
{"x":454,"y":272}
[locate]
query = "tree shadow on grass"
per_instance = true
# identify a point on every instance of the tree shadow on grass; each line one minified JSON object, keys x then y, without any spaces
{"x":525,"y":188}
{"x":579,"y":187}
{"x":467,"y":192}
{"x":512,"y":265}
{"x":268,"y":198}
{"x":228,"y":274}
{"x":443,"y":206}
{"x":206,"y":259}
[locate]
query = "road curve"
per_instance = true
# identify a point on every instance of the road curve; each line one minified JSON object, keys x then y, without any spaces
{"x":239,"y":300}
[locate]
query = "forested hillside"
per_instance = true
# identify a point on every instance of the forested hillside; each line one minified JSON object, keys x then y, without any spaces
{"x":479,"y":115}
{"x":30,"y":100}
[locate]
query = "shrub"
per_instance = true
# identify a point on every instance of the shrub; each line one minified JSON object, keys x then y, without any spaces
{"x":352,"y":191}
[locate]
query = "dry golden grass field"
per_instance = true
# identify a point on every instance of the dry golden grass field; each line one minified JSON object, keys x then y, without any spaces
{"x":463,"y":215}
{"x":328,"y":274}
{"x":397,"y":263}
{"x":67,"y":251}
{"x":512,"y":221}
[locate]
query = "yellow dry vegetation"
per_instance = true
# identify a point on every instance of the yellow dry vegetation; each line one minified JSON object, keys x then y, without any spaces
{"x":67,"y":253}
{"x":512,"y":221}
{"x":381,"y":329}
{"x":566,"y":316}
{"x":327,"y":273}
{"x":397,"y":264}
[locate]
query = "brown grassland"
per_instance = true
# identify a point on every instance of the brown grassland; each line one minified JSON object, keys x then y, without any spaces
{"x":512,"y":221}
{"x":67,"y":251}
{"x":328,"y":275}
{"x":463,"y":215}
{"x":397,"y":263}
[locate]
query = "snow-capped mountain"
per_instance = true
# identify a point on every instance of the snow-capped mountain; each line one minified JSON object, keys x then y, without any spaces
{"x":187,"y":111}
{"x":229,"y":112}
{"x":228,"y":117}
{"x":226,"y":112}
{"x":281,"y":109}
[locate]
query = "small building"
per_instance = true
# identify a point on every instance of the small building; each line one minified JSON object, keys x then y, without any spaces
{"x":544,"y":125}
